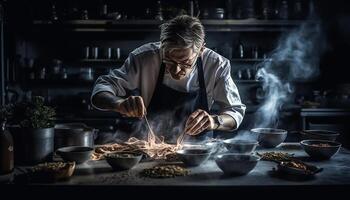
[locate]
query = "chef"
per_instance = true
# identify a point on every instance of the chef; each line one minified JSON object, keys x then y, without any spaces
{"x":177,"y":75}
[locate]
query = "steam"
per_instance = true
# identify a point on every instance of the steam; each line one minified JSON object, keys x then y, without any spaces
{"x":164,"y":125}
{"x":296,"y":58}
{"x":246,"y":135}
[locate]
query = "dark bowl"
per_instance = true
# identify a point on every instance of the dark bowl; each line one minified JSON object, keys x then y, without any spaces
{"x":236,"y":164}
{"x":320,"y":152}
{"x":123,"y":161}
{"x":319,"y":135}
{"x":78,"y":154}
{"x":240,"y":146}
{"x":193,"y":157}
{"x":270,"y":137}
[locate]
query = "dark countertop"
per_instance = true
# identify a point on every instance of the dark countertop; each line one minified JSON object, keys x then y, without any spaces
{"x":335,"y":172}
{"x":324,"y":112}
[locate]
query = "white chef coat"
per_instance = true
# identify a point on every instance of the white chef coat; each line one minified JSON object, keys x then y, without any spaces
{"x":141,"y":68}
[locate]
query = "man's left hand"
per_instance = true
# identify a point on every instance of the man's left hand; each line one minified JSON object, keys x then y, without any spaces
{"x":199,"y":121}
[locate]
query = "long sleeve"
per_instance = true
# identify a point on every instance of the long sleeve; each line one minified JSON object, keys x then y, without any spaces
{"x":226,"y":94}
{"x":119,"y":80}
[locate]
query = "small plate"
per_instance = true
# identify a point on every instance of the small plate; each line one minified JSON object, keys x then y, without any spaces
{"x":311,"y":170}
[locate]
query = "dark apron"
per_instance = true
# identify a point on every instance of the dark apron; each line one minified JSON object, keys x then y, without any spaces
{"x":169,"y":109}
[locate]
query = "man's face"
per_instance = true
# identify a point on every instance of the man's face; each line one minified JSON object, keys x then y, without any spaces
{"x":179,"y":62}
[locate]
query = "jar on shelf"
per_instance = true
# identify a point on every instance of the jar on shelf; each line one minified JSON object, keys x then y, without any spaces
{"x":249,"y":10}
{"x":229,"y":8}
{"x":147,"y":14}
{"x":239,"y":12}
{"x":117,"y":53}
{"x":239,"y":74}
{"x":54,"y":16}
{"x":267,"y":9}
{"x":219,"y":13}
{"x":248,"y":74}
{"x":298,"y":12}
{"x":205,"y":14}
{"x":283,"y":12}
{"x":240,"y":50}
{"x":87,"y":74}
{"x":108,"y":53}
{"x":190,"y":8}
{"x":30,"y":68}
{"x":85,"y":15}
{"x":95,"y":51}
{"x":87,"y":52}
{"x":255,"y":52}
{"x":159,"y":11}
{"x":42,"y":73}
{"x":72,"y":13}
{"x":56,"y":67}
{"x":103,"y":10}
{"x":64,"y":74}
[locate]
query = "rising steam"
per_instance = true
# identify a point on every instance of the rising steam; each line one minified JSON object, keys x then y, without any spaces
{"x":295,"y":58}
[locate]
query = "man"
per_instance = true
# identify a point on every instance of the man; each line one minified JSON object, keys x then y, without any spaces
{"x":178,"y":74}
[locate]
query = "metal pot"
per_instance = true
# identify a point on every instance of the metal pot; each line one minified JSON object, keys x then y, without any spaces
{"x":74,"y":134}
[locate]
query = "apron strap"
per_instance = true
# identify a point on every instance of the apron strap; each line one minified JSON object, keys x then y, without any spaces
{"x":161,"y":74}
{"x":202,"y":87}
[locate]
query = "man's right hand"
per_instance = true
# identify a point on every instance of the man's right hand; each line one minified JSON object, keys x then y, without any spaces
{"x":132,"y":106}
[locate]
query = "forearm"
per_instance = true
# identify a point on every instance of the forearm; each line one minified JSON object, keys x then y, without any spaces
{"x":106,"y":101}
{"x":229,"y":123}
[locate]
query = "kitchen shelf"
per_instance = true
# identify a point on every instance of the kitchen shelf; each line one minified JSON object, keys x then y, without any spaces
{"x":324,"y":112}
{"x":100,"y":60}
{"x":247,"y":81}
{"x":88,"y":115}
{"x":59,"y":83}
{"x":250,"y":59}
{"x":256,"y":81}
{"x":211,"y":25}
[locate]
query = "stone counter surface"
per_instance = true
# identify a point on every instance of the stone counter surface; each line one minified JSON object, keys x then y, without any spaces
{"x":336,"y":171}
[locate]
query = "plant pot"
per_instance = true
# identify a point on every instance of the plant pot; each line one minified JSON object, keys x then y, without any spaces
{"x":33,"y":146}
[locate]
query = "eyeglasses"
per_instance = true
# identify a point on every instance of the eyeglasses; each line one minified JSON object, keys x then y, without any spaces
{"x":182,"y":65}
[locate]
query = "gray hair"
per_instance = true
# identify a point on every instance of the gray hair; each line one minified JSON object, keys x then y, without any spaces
{"x":182,"y":32}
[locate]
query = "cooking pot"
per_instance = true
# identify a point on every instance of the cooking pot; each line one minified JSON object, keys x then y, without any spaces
{"x":74,"y":134}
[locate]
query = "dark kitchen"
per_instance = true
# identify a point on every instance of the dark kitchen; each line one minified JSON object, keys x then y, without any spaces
{"x":247,"y":97}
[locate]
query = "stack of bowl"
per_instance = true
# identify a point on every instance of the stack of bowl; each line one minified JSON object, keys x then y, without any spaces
{"x":320,"y":144}
{"x":239,"y":159}
{"x":318,"y":135}
{"x":270,"y":137}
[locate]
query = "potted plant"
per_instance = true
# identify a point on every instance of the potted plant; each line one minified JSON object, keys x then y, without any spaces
{"x":34,"y":140}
